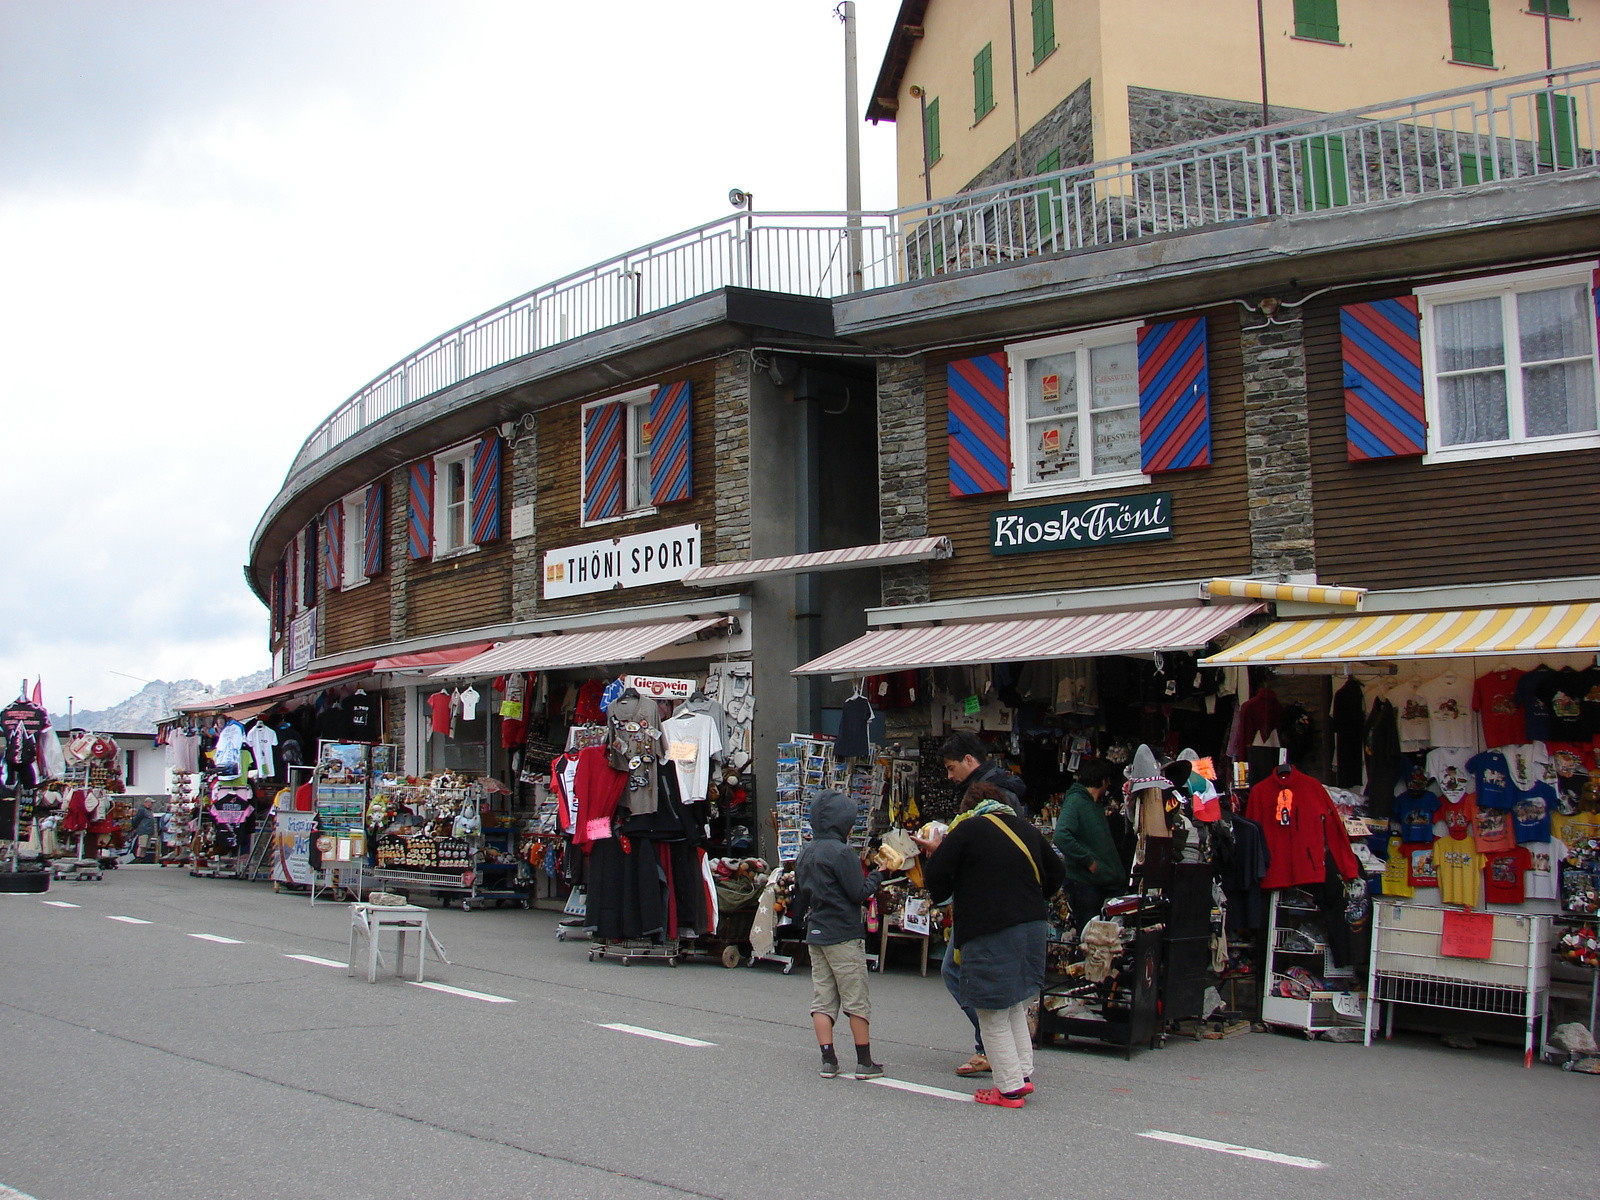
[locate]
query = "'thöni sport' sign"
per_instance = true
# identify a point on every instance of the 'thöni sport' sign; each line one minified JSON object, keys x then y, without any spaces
{"x":1083,"y":524}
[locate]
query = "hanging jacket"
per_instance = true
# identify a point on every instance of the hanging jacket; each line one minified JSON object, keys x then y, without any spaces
{"x":1314,"y":829}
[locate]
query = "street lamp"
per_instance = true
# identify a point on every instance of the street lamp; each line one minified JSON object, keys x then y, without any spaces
{"x":742,"y":199}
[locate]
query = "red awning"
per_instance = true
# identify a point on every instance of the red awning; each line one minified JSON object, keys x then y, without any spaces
{"x":311,"y":683}
{"x":883,"y":554}
{"x":432,"y":658}
{"x":592,"y":648}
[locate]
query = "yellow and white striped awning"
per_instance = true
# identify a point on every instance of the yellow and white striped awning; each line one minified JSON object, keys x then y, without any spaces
{"x":1379,"y":637}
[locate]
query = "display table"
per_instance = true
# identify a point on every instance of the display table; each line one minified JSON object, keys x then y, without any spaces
{"x":372,"y":920}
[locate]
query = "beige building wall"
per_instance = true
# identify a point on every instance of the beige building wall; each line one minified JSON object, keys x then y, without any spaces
{"x":1388,"y":50}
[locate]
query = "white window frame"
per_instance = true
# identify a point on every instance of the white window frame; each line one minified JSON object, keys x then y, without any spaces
{"x":631,"y":452}
{"x":442,"y":462}
{"x":1506,"y":287}
{"x":353,"y":570}
{"x":1018,"y":355}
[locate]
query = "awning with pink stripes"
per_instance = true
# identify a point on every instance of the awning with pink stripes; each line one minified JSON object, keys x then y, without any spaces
{"x":882,"y":554}
{"x":592,"y":648}
{"x":1089,"y":635}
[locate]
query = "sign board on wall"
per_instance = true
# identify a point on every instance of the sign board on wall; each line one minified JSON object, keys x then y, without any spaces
{"x":634,"y":560}
{"x":1082,"y":524}
{"x":657,"y":687}
{"x":302,"y":640}
{"x":522,"y":521}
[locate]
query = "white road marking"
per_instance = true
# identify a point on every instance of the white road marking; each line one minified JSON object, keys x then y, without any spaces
{"x":12,"y":1194}
{"x":920,"y":1089}
{"x":221,"y":941}
{"x":640,"y":1031}
{"x":455,"y":991}
{"x":60,"y":904}
{"x":315,"y":961}
{"x":126,"y":920}
{"x":1286,"y":1160}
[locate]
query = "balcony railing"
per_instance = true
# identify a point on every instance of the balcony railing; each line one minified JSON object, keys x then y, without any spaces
{"x":1445,"y":141}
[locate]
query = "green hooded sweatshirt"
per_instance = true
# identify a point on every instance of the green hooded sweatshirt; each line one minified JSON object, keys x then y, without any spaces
{"x":1083,"y":837}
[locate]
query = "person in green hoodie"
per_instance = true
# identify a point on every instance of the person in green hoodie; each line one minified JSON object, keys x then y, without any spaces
{"x":1094,"y":869}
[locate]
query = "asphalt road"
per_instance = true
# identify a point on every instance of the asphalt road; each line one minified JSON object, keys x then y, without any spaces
{"x":138,"y":1060}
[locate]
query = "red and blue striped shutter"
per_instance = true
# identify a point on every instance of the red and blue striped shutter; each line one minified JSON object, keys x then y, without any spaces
{"x":671,"y":422}
{"x":605,"y":437}
{"x":1382,"y":347}
{"x":978,"y":423}
{"x":486,"y":489}
{"x":1174,"y":396}
{"x":372,"y":532}
{"x":419,"y":508}
{"x":308,"y":577}
{"x":333,"y":546}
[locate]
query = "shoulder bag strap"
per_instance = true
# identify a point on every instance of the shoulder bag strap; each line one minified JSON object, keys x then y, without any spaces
{"x":1012,"y":834}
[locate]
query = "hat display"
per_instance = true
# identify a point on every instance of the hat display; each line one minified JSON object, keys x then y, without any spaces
{"x":1145,"y":771}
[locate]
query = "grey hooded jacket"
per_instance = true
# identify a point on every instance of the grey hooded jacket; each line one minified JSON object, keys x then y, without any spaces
{"x":829,"y":886}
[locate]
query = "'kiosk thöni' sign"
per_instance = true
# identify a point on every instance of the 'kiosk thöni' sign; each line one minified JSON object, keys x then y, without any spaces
{"x":1081,"y":524}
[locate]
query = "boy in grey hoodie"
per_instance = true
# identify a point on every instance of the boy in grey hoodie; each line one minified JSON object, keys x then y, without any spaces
{"x":830,"y":890}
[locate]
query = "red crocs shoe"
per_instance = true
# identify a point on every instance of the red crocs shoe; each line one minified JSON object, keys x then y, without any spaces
{"x":997,"y":1097}
{"x":1027,"y":1088}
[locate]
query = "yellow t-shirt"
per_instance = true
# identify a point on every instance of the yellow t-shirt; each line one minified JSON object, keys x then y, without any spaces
{"x":1574,"y":828}
{"x":1460,"y":868}
{"x":1397,"y":870}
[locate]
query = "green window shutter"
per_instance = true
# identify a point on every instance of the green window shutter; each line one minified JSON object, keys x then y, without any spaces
{"x":983,"y":83}
{"x":1044,"y":30}
{"x":1556,"y":151}
{"x":1470,"y":38}
{"x":1049,"y":205}
{"x":932,"y":131}
{"x":1317,"y":20}
{"x":1477,"y":168}
{"x":1558,"y":8}
{"x":1324,"y":181}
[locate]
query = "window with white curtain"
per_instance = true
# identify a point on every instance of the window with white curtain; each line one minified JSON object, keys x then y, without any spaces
{"x":1509,"y":364}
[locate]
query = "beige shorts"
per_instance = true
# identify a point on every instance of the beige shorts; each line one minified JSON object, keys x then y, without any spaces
{"x":839,"y":980}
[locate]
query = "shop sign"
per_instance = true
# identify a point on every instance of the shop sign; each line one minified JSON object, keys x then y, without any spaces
{"x":302,"y":641}
{"x":291,"y":837}
{"x":1082,"y":524}
{"x":656,"y":687}
{"x":635,"y":560}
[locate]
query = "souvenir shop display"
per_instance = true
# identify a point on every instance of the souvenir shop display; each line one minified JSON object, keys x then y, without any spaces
{"x":75,"y":822}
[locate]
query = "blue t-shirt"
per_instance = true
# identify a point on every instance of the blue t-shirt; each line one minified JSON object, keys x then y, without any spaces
{"x":1492,"y":773}
{"x":1530,"y":815}
{"x":1414,"y":816}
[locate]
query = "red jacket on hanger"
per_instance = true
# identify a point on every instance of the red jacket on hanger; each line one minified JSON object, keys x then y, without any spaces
{"x":599,"y":787}
{"x":1314,"y":827}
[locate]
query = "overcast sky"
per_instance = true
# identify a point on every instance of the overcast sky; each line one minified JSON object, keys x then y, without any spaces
{"x":218,"y":219}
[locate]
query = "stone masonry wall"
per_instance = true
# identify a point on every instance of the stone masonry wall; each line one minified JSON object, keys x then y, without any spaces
{"x":394,"y":721}
{"x":1277,"y":444}
{"x":731,"y":404}
{"x":525,"y":560}
{"x":399,"y":556}
{"x":903,"y":472}
{"x":1157,"y":119}
{"x":1068,"y":127}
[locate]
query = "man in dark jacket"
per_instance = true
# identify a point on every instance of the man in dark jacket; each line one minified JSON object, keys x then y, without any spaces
{"x":966,"y":762}
{"x":1094,"y":868}
{"x":830,"y":890}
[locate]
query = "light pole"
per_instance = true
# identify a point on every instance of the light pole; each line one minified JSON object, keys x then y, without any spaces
{"x":927,"y":167}
{"x":846,"y":12}
{"x":740,"y":198}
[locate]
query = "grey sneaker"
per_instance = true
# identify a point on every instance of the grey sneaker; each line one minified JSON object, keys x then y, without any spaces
{"x":869,"y":1070}
{"x":830,"y":1069}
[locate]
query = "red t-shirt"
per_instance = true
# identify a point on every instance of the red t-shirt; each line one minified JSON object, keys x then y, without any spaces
{"x":1494,"y":699}
{"x":1503,"y":874}
{"x":439,"y":707}
{"x":1460,"y":817}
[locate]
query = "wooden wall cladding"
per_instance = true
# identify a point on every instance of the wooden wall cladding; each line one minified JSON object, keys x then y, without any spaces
{"x":559,"y":521}
{"x":1399,"y":523}
{"x":1211,"y":524}
{"x":465,"y":592}
{"x":357,"y":618}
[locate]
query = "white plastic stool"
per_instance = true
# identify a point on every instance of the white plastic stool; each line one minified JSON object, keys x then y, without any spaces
{"x":371,"y":920}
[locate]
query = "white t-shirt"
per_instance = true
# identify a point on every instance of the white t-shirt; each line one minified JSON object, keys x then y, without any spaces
{"x":261,"y":739}
{"x":469,"y":704}
{"x":1412,"y":710}
{"x":1539,"y":880}
{"x":692,"y":741}
{"x":1449,"y":701}
{"x":1530,"y":764}
{"x":1448,"y":769}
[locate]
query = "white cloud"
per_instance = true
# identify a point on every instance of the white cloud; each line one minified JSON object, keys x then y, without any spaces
{"x":219,"y":220}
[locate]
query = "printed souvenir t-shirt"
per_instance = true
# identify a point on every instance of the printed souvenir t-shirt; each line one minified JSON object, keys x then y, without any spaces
{"x":1503,"y":876}
{"x":1562,"y":692}
{"x":1460,"y":869}
{"x":1421,"y":872}
{"x":1575,"y":827}
{"x":1494,"y":699}
{"x":439,"y":711}
{"x":1415,"y":816}
{"x":1530,"y":815}
{"x":1539,"y":883}
{"x":1459,"y":817}
{"x":1397,"y":870}
{"x":469,"y":704}
{"x":692,"y":741}
{"x":1412,"y":711}
{"x":1535,"y":711}
{"x":1530,"y":764}
{"x":1492,"y":830}
{"x":1591,"y":701}
{"x":1449,"y":701}
{"x":1448,"y":768}
{"x":1492,"y":775}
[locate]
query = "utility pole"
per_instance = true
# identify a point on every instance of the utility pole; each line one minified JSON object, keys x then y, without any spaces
{"x":1016,"y":106}
{"x":846,"y":12}
{"x":1261,"y":38}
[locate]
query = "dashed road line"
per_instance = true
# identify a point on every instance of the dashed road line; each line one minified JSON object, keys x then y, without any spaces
{"x":126,"y":920}
{"x":455,"y":991}
{"x":923,"y":1089}
{"x":60,"y":904}
{"x":12,"y":1194}
{"x":640,"y":1031}
{"x":1286,"y":1160}
{"x":221,"y":941}
{"x":315,"y":961}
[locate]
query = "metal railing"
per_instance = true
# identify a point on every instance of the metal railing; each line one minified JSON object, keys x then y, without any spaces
{"x":1529,"y":125}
